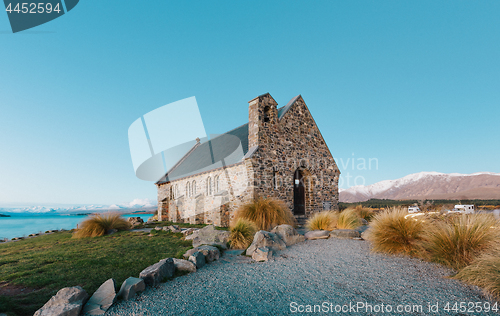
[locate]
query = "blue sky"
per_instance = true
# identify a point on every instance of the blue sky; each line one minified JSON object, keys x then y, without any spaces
{"x":414,"y":84}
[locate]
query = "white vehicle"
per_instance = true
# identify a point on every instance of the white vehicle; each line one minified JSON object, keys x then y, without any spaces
{"x":463,"y":209}
{"x":413,"y":209}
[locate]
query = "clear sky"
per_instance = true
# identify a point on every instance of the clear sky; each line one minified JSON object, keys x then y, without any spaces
{"x":414,"y":84}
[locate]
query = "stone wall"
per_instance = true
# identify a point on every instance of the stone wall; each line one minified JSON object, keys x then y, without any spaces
{"x":179,"y":203}
{"x":285,"y":145}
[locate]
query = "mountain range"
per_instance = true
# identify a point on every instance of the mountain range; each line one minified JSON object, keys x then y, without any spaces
{"x":137,"y":205}
{"x":428,"y":186}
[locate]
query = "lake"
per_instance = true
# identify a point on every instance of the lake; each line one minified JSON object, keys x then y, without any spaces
{"x":22,"y":226}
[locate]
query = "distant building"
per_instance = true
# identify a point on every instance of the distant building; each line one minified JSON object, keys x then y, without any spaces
{"x":466,"y":209}
{"x":282,"y":155}
{"x":413,"y":209}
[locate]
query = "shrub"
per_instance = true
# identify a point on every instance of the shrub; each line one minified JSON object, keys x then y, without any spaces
{"x":266,"y":213}
{"x":99,"y":225}
{"x":458,"y":243}
{"x":323,"y":221}
{"x":484,"y":272}
{"x":364,"y":212}
{"x":348,"y":219}
{"x":242,"y":233}
{"x":392,"y":232}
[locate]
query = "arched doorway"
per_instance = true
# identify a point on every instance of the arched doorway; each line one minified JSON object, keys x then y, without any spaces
{"x":299,"y":193}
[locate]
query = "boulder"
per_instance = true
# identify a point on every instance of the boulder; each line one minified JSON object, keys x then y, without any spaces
{"x":67,"y":302}
{"x":262,"y":254}
{"x":266,"y":239}
{"x":131,"y":286}
{"x":102,"y":299}
{"x":362,"y":228}
{"x":172,"y":228}
{"x":208,"y":235}
{"x":211,"y":253}
{"x":317,"y":234}
{"x":134,"y":221}
{"x":189,"y":231}
{"x":198,"y":259}
{"x":158,"y":228}
{"x":365,"y":234}
{"x":190,"y":252}
{"x":288,"y":234}
{"x":363,"y":221}
{"x":345,"y":233}
{"x":155,"y":273}
{"x":184,"y":265}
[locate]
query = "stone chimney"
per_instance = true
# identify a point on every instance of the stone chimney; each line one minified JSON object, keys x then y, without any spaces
{"x":262,"y":116}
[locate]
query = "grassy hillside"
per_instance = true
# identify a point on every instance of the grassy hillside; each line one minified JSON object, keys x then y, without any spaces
{"x":36,"y":268}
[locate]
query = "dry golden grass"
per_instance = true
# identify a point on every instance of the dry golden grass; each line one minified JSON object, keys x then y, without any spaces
{"x":484,"y":272}
{"x":457,"y":243}
{"x":364,"y":212}
{"x":99,"y":225}
{"x":391,"y":232}
{"x":323,"y":221}
{"x":242,"y":233}
{"x":266,"y":213}
{"x":348,"y":219}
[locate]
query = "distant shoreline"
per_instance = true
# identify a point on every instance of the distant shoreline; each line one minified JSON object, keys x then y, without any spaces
{"x":29,"y":214}
{"x":26,"y":226}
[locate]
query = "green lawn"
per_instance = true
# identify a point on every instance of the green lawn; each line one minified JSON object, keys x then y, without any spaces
{"x":50,"y":262}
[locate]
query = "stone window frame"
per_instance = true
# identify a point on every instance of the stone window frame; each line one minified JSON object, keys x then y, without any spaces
{"x":174,"y":191}
{"x":209,"y":186}
{"x":275,"y":178}
{"x":193,"y":188}
{"x":188,"y":189}
{"x":216,"y":184}
{"x":266,"y":118}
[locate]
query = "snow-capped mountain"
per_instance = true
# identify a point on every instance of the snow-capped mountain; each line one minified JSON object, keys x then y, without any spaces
{"x":135,"y":205}
{"x":428,"y":185}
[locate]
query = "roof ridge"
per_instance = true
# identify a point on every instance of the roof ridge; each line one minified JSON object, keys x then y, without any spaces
{"x":288,"y":106}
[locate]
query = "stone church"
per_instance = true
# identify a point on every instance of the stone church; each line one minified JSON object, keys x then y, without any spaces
{"x":279,"y":153}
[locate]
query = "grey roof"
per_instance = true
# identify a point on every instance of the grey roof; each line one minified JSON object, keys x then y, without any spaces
{"x":283,"y":110}
{"x":223,"y":150}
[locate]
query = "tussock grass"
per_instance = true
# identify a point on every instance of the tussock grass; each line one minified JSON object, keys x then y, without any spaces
{"x":99,"y":225}
{"x":323,"y":221}
{"x":484,"y":272}
{"x":458,"y":243}
{"x":242,"y":233}
{"x":391,"y":232}
{"x":348,"y":219}
{"x":266,"y":213}
{"x":364,"y":212}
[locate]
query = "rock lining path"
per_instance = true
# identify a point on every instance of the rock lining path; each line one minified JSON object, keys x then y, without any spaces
{"x":337,"y":271}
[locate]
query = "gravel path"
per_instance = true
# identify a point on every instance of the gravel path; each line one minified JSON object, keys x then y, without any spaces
{"x":316,"y":272}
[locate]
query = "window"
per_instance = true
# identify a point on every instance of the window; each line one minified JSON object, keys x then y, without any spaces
{"x":193,"y":188}
{"x":275,"y":179}
{"x":216,"y":183}
{"x":209,"y":186}
{"x":188,"y":189}
{"x":266,"y":114}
